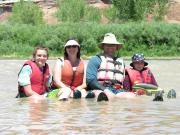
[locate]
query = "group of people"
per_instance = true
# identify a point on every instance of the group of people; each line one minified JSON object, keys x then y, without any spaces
{"x":103,"y":77}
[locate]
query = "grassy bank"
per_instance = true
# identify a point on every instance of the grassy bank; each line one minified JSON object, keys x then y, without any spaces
{"x":25,"y":29}
{"x":156,"y":39}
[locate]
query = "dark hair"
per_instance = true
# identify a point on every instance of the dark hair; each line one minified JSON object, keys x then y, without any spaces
{"x":40,"y":47}
{"x":78,"y":53}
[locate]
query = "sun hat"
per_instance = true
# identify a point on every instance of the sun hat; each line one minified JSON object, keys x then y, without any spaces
{"x":110,"y":38}
{"x":138,"y":57}
{"x":72,"y":43}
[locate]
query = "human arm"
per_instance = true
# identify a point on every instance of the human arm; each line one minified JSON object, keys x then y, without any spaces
{"x":126,"y":83}
{"x":49,"y":83}
{"x":91,"y":74}
{"x":28,"y":90}
{"x":153,"y":79}
{"x":57,"y":71}
{"x":24,"y":80}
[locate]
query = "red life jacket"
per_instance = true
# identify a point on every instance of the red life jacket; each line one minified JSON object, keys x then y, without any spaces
{"x":111,"y":71}
{"x":38,"y":78}
{"x":135,"y":76}
{"x":72,"y":78}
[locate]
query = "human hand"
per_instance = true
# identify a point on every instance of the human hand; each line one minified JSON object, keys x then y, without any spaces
{"x":37,"y":97}
{"x":140,"y":92}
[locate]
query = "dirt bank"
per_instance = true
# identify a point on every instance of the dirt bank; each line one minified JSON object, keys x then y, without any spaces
{"x":49,"y":8}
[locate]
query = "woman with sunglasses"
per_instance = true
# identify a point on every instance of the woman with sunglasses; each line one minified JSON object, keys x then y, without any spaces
{"x":69,"y":73}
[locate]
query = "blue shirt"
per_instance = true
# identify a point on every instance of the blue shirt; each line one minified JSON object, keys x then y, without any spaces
{"x":91,"y":74}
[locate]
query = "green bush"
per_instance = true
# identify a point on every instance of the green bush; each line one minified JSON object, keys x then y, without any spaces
{"x":26,"y":13}
{"x":92,"y":14}
{"x":71,"y":10}
{"x":111,"y":14}
{"x":153,"y":39}
{"x":139,"y":9}
{"x":160,"y":9}
{"x":77,"y":11}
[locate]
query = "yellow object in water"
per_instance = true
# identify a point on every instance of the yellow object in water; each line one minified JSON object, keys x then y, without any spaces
{"x":53,"y":93}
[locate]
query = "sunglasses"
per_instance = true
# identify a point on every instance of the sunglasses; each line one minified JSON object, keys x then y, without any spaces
{"x":71,"y":46}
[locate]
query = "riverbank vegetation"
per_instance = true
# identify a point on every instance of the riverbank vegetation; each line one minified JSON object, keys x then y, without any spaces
{"x":26,"y":29}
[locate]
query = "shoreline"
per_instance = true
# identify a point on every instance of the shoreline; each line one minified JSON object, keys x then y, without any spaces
{"x":88,"y":57}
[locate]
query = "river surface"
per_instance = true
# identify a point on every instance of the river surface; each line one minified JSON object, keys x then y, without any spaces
{"x":120,"y":116}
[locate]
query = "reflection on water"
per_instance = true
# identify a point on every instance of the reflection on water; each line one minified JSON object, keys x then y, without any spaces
{"x":136,"y":116}
{"x":139,"y":116}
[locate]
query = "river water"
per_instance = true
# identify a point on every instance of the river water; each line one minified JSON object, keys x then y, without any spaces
{"x":126,"y":116}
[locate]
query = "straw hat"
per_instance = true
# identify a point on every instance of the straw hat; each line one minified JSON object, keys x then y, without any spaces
{"x":72,"y":43}
{"x":138,"y":57}
{"x":110,"y":38}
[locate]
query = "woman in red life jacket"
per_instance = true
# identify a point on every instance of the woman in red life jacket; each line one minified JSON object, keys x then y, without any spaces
{"x":69,"y":72}
{"x":34,"y":76}
{"x":138,"y":73}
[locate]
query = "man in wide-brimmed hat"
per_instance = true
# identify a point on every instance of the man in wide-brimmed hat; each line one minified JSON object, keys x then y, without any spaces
{"x":105,"y":72}
{"x":110,"y":40}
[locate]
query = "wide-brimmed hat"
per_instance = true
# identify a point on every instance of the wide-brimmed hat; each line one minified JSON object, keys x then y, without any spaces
{"x":138,"y":57}
{"x":72,"y":43}
{"x":110,"y":38}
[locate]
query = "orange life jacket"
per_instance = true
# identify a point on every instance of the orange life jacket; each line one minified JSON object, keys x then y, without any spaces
{"x":38,"y":78}
{"x":72,"y":78}
{"x":135,"y":76}
{"x":111,"y":71}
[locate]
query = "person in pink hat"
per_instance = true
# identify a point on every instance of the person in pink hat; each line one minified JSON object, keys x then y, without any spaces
{"x":105,"y":72}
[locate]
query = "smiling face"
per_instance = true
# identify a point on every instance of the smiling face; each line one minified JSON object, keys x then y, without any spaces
{"x":109,"y":49}
{"x":40,"y":57}
{"x":72,"y":50}
{"x":138,"y":65}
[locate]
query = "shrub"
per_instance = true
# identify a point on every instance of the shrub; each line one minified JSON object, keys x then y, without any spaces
{"x":92,"y":14}
{"x":139,"y":9}
{"x":26,"y":13}
{"x":153,"y":39}
{"x":71,"y":10}
{"x":77,"y":11}
{"x":111,"y":14}
{"x":160,"y":9}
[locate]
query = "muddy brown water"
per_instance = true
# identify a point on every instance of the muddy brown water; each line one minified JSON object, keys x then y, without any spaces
{"x":136,"y":116}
